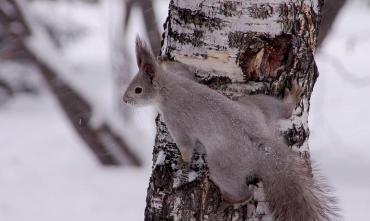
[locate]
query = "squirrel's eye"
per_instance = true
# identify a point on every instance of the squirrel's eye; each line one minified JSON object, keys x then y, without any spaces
{"x":138,"y":90}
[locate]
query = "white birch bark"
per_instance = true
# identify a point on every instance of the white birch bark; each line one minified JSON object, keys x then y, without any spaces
{"x":239,"y":47}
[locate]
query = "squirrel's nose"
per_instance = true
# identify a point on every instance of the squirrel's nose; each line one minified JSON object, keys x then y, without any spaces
{"x":124,"y":98}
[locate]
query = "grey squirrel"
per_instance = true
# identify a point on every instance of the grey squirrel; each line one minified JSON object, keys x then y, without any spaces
{"x":236,"y":137}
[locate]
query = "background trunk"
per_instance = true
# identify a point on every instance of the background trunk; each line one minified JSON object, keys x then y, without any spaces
{"x":240,"y":47}
{"x":330,"y":11}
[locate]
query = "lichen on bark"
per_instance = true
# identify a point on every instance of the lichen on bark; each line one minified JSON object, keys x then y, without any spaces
{"x":240,"y":47}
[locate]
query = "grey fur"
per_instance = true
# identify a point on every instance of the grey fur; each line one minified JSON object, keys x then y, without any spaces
{"x":273,"y":108}
{"x":237,"y":138}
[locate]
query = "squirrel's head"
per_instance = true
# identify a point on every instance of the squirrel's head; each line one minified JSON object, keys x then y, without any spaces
{"x":144,"y":88}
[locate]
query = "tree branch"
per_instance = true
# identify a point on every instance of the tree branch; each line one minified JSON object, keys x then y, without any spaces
{"x":150,"y":21}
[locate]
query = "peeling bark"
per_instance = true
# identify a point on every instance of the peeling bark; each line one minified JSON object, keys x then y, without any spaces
{"x":238,"y":47}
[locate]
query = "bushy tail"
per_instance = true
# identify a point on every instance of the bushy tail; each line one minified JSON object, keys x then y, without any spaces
{"x":293,"y":193}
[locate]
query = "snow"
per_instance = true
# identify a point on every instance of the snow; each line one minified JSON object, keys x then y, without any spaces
{"x":192,"y":176}
{"x":47,"y":172}
{"x":339,"y":117}
{"x":160,"y":158}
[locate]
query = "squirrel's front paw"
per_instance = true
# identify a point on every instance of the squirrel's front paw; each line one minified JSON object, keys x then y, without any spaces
{"x":184,"y":176}
{"x":190,"y":168}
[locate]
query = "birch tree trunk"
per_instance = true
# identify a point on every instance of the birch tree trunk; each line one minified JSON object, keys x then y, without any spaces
{"x":238,"y":47}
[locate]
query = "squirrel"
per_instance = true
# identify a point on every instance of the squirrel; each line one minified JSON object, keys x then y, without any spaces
{"x":236,"y":137}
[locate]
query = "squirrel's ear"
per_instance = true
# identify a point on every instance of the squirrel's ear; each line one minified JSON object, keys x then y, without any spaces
{"x":144,"y":58}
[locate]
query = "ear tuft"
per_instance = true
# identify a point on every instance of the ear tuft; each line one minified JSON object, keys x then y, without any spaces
{"x":144,"y":57}
{"x":140,"y":46}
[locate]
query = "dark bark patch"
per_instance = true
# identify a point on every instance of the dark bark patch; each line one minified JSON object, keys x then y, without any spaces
{"x":262,"y":11}
{"x":214,"y":81}
{"x":268,"y":59}
{"x":162,"y":180}
{"x":286,"y":13}
{"x":296,"y":135}
{"x":198,"y":18}
{"x":230,"y":8}
{"x":194,"y":39}
{"x":241,"y":40}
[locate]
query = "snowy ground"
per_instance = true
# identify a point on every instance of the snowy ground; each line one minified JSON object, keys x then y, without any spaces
{"x":46,"y":172}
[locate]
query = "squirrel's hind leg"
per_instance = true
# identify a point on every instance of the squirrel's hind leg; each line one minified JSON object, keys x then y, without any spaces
{"x":291,"y":98}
